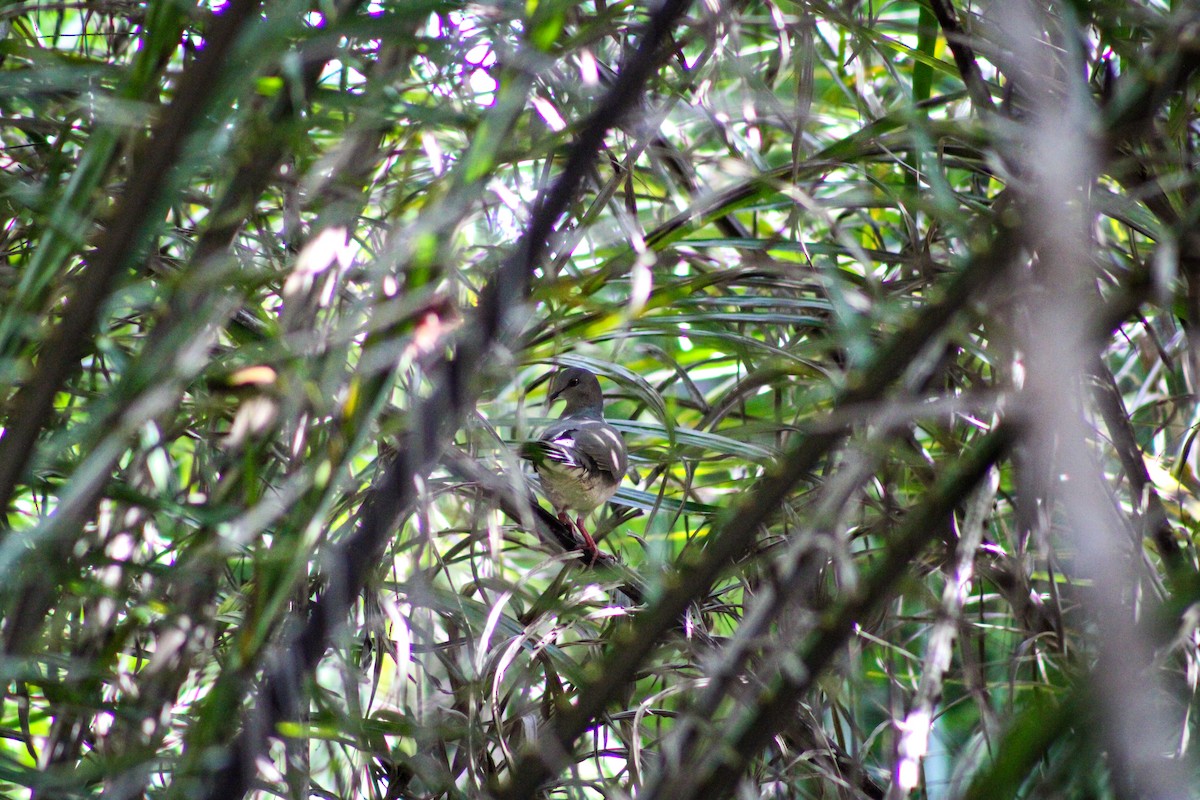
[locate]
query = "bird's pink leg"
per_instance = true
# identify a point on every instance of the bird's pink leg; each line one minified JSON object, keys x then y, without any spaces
{"x":589,"y":544}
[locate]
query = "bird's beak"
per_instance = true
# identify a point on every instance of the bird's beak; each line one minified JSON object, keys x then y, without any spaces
{"x":551,"y":397}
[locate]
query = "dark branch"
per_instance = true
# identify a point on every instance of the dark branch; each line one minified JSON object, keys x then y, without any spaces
{"x":434,"y":420}
{"x":964,"y":55}
{"x":775,"y":708}
{"x":736,"y":531}
{"x":128,"y":229}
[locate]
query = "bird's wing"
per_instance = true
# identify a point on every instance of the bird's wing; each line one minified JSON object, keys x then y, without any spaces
{"x":604,"y":446}
{"x":587,"y":444}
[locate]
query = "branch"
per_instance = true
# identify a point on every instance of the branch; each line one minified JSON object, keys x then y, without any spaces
{"x":964,"y":55}
{"x":131,"y":222}
{"x":775,"y":708}
{"x":1146,"y":502}
{"x":435,"y":418}
{"x":736,"y":530}
{"x":525,"y":510}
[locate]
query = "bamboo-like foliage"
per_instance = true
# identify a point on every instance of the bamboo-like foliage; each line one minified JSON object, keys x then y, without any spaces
{"x":895,"y":304}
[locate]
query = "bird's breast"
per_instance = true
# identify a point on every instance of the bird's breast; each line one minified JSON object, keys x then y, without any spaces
{"x":574,"y":487}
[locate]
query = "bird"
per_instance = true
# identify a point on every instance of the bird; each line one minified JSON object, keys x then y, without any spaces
{"x":581,"y":458}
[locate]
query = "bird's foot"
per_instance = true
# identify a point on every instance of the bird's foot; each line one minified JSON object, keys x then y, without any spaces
{"x":589,"y":544}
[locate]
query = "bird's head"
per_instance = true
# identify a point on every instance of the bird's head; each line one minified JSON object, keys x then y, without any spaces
{"x":579,"y":389}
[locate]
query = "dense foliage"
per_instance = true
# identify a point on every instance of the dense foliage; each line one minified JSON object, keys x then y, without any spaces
{"x":895,"y":304}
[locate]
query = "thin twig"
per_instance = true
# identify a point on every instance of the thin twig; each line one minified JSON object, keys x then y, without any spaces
{"x":434,"y":420}
{"x":738,"y":528}
{"x":964,"y":55}
{"x":131,"y":222}
{"x":774,"y":708}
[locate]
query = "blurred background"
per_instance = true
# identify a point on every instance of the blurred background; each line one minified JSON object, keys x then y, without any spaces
{"x":894,"y":303}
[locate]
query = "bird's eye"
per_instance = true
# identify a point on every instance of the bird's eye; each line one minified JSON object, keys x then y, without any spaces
{"x":573,"y":382}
